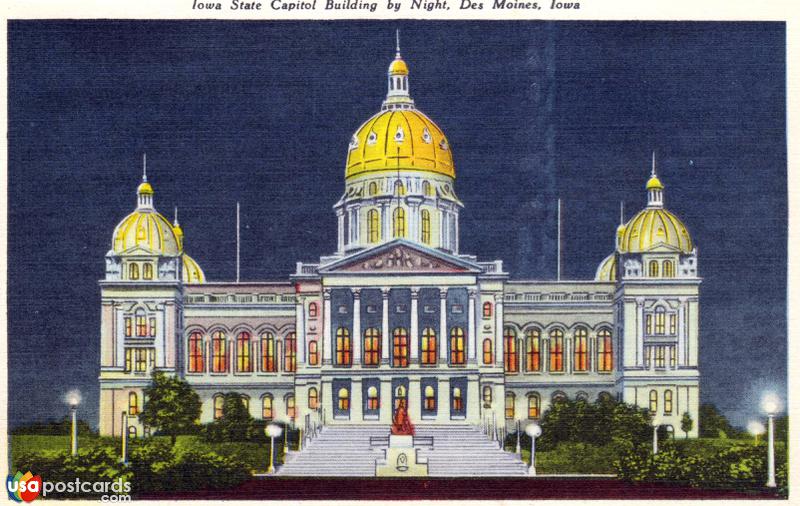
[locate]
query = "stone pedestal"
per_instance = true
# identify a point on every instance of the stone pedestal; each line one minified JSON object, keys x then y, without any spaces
{"x":400,"y":459}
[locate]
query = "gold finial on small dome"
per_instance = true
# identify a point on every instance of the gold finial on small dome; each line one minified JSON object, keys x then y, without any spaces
{"x":654,"y":183}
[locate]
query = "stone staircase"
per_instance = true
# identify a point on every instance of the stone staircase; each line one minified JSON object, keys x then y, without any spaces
{"x":458,"y":450}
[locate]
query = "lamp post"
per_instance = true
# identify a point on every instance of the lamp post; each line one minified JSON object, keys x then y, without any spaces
{"x":655,"y":437}
{"x":755,"y":428}
{"x":771,"y":404}
{"x":124,"y":437}
{"x":534,"y":431}
{"x":272,"y":431}
{"x":285,"y":441}
{"x":74,"y":399}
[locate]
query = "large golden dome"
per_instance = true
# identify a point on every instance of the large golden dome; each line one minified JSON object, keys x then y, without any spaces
{"x":404,"y":139}
{"x":148,"y":230}
{"x":653,"y":227}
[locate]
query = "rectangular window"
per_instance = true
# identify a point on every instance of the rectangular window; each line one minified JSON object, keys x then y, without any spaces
{"x":672,"y":357}
{"x":660,"y":357}
{"x":342,"y":309}
{"x":649,"y":323}
{"x":673,"y":327}
{"x":152,"y":327}
{"x":128,"y":359}
{"x":128,"y":326}
{"x":290,"y":355}
{"x":141,"y":326}
{"x":343,"y":353}
{"x":428,"y":347}
{"x":371,"y":309}
{"x":457,"y":309}
{"x":429,"y":309}
{"x":557,"y":354}
{"x":660,"y":317}
{"x":648,"y":356}
{"x":372,"y":351}
{"x":140,"y":359}
{"x":151,"y":357}
{"x":581,"y":352}
{"x":401,"y":308}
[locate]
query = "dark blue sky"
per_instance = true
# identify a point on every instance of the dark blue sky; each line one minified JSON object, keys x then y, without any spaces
{"x":262,"y":113}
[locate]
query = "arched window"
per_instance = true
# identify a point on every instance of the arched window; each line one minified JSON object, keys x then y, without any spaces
{"x":399,"y":222}
{"x":581,"y":349}
{"x":400,"y":347}
{"x":534,"y":404}
{"x":373,"y":226}
{"x":372,"y":347}
{"x":399,"y":189}
{"x":487,"y":309}
{"x":313,"y":353}
{"x":132,"y":432}
{"x":653,"y":269}
{"x":147,"y":271}
{"x":372,"y":398}
{"x":653,"y":402}
{"x":267,"y":352}
{"x":510,"y":350}
{"x":488,"y":356}
{"x":556,"y":350}
{"x":243,"y":363}
{"x":427,"y":189}
{"x":487,"y":397}
{"x":219,"y":404}
{"x":373,"y":189}
{"x":430,"y":398}
{"x":428,"y":346}
{"x":290,"y":407}
{"x":266,"y":407}
{"x":457,"y":404}
{"x":344,"y":354}
{"x":668,"y":268}
{"x":246,"y":402}
{"x":667,"y":402}
{"x":399,"y":396}
{"x":133,"y":271}
{"x":604,"y":351}
{"x":196,"y":352}
{"x":670,"y":431}
{"x":426,"y":226}
{"x":312,"y":310}
{"x":559,"y":397}
{"x":219,"y":352}
{"x":533,"y":350}
{"x":133,"y":404}
{"x":141,"y":324}
{"x":510,"y":398}
{"x":313,"y":398}
{"x":344,"y":399}
{"x":290,"y":353}
{"x":456,"y":346}
{"x":661,"y":317}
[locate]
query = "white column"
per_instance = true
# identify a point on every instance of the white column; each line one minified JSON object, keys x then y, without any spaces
{"x":340,"y":236}
{"x":300,"y":331}
{"x":414,"y":325}
{"x":443,"y":325}
{"x":455,"y":225}
{"x":385,"y":325}
{"x":680,"y":359}
{"x":640,"y":330}
{"x":386,"y":223}
{"x":471,"y":326}
{"x":498,"y":329}
{"x":326,"y":326}
{"x":356,"y":326}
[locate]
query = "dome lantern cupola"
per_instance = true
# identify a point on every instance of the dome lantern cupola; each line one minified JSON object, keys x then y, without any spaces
{"x":398,"y":95}
{"x":145,"y":191}
{"x":655,"y":189}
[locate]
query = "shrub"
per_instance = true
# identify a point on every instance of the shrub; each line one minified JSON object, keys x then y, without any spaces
{"x":196,"y":469}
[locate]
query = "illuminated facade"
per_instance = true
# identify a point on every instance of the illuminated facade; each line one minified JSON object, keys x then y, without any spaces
{"x":397,"y":312}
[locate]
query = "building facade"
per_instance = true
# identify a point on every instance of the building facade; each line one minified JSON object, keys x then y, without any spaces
{"x":398,"y":313}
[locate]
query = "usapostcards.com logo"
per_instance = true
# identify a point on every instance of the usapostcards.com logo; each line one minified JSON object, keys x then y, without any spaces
{"x":27,"y":487}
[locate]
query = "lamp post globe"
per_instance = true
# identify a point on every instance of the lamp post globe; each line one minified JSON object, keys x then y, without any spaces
{"x":755,"y":428}
{"x":771,"y":404}
{"x":272,"y":431}
{"x":533,"y":430}
{"x":73,"y":399}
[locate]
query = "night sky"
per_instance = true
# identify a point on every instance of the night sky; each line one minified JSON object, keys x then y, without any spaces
{"x":262,"y":113}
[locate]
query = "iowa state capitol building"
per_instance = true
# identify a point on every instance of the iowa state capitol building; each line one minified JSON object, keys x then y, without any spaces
{"x":397,"y":312}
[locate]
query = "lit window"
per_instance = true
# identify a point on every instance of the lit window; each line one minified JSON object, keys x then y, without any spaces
{"x":140,"y":359}
{"x":343,"y":349}
{"x":581,"y":349}
{"x":458,"y":402}
{"x":243,"y":363}
{"x":604,"y":351}
{"x":266,"y":407}
{"x":653,"y":269}
{"x":556,"y":350}
{"x":660,"y":320}
{"x":267,"y":352}
{"x":219,"y":352}
{"x":344,"y":399}
{"x":128,"y":326}
{"x":399,"y":395}
{"x":430,"y":399}
{"x":313,"y":353}
{"x":399,"y":189}
{"x":399,"y":222}
{"x":147,"y":271}
{"x":219,"y":404}
{"x":660,"y":356}
{"x":428,"y":346}
{"x":196,"y":352}
{"x":667,"y":402}
{"x":534,"y":404}
{"x":153,"y":327}
{"x":488,"y":356}
{"x":313,"y":398}
{"x":510,"y":350}
{"x":427,"y":189}
{"x":372,"y":347}
{"x":312,"y":310}
{"x":290,"y":408}
{"x":533,"y":350}
{"x":133,"y":404}
{"x":400,"y":348}
{"x":373,"y":189}
{"x":246,"y":402}
{"x":487,"y":396}
{"x":141,"y":324}
{"x":673,"y":325}
{"x":510,"y":398}
{"x":373,"y":226}
{"x":426,"y":226}
{"x":133,"y":271}
{"x":487,"y":309}
{"x":456,"y":346}
{"x":290,"y":353}
{"x":128,"y":359}
{"x":653,"y":401}
{"x":648,"y":319}
{"x":672,"y":357}
{"x":669,"y":269}
{"x":373,"y":403}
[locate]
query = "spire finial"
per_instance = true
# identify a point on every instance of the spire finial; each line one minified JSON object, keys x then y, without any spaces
{"x":176,"y":217}
{"x":144,"y":167}
{"x":621,"y":212}
{"x":653,"y":173}
{"x":397,"y":34}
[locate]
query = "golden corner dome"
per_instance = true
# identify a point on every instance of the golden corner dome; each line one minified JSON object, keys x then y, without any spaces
{"x":399,"y":139}
{"x":146,"y":230}
{"x":145,"y":188}
{"x":654,"y":183}
{"x":398,"y":67}
{"x":607,"y":271}
{"x":192,"y":273}
{"x":652,"y":228}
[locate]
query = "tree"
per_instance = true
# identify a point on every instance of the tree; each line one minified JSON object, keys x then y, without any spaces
{"x":171,"y":406}
{"x":686,"y":424}
{"x":713,"y":424}
{"x":235,"y":424}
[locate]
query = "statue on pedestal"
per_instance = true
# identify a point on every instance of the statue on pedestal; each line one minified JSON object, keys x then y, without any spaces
{"x":401,"y":423}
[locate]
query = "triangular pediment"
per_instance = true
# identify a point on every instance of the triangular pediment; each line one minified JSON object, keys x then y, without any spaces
{"x":662,"y":247}
{"x":401,"y":257}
